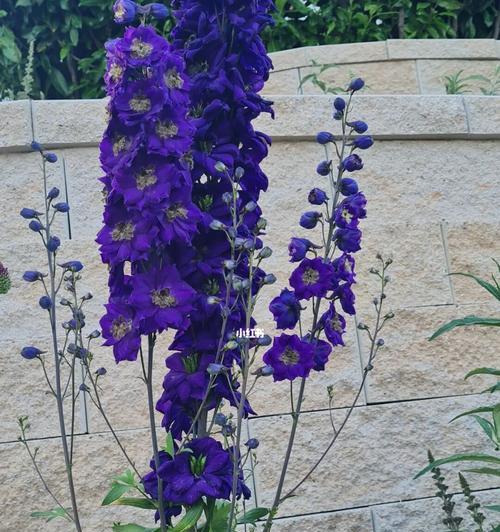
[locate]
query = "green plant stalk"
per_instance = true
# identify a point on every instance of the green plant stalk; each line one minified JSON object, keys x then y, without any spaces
{"x":148,"y":377}
{"x":57,"y":360}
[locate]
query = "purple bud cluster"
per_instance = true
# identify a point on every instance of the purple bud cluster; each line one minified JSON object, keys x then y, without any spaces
{"x":5,"y":282}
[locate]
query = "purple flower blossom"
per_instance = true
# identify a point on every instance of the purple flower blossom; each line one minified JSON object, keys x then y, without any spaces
{"x":119,"y":331}
{"x":125,"y":11}
{"x":161,"y":299}
{"x":334,"y":326}
{"x":203,"y":471}
{"x":290,"y":357}
{"x":286,"y":309}
{"x":298,"y":248}
{"x":348,"y":240}
{"x":313,"y":277}
{"x":350,"y":210}
{"x":317,"y":196}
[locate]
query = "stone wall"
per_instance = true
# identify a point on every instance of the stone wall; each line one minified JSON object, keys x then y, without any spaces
{"x":433,"y":189}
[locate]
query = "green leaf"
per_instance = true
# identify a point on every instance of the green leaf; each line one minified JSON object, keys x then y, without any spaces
{"x":73,"y":36}
{"x":480,"y":410}
{"x":496,"y":423}
{"x":23,"y":3}
{"x":118,"y":527}
{"x":49,"y":515}
{"x":483,"y":371}
{"x":493,"y":389}
{"x":485,"y":471}
{"x":220,"y":517}
{"x":494,"y":508}
{"x":146,"y":504}
{"x":253,"y":515}
{"x":459,"y":458}
{"x":481,"y":282}
{"x":486,"y":426}
{"x":59,"y":82}
{"x":462,"y":322}
{"x":169,"y":447}
{"x":190,"y":519}
{"x":119,"y":486}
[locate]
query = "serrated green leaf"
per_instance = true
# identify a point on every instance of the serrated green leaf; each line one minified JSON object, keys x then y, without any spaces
{"x":462,"y":322}
{"x":253,"y":515}
{"x":189,"y":520}
{"x":466,"y":457}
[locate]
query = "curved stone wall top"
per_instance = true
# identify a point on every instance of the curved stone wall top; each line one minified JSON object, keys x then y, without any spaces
{"x":396,"y":66}
{"x":392,"y":49}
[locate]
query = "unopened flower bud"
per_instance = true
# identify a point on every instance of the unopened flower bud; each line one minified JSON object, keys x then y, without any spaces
{"x":61,"y":207}
{"x":252,"y":443}
{"x":380,"y":342}
{"x":217,"y":225}
{"x":250,"y":206}
{"x":261,"y":224}
{"x":53,"y":193}
{"x":265,"y":252}
{"x":227,"y":198}
{"x":266,"y":371}
{"x":216,"y":369}
{"x":53,"y":243}
{"x":264,"y":340}
{"x":36,"y":146}
{"x":35,"y":226}
{"x":220,"y":419}
{"x":389,"y":316}
{"x":269,"y":279}
{"x":94,"y":334}
{"x":362,"y":326}
{"x":220,"y":167}
{"x":28,"y":214}
{"x":158,"y":11}
{"x":45,"y":302}
{"x":239,"y":173}
{"x":100,"y":372}
{"x":50,"y":157}
{"x":356,"y":85}
{"x":87,"y":296}
{"x":232,"y":344}
{"x":339,"y":103}
{"x":324,"y":137}
{"x":31,"y":352}
{"x":32,"y":276}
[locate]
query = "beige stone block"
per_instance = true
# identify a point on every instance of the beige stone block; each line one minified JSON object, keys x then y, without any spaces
{"x":418,"y":272}
{"x":472,"y":246}
{"x":97,"y":461}
{"x":69,"y":122}
{"x":442,"y":48}
{"x":432,"y":73}
{"x":362,"y":52}
{"x":422,"y":516}
{"x":374,"y":459}
{"x":411,"y":367}
{"x":410,"y":116}
{"x":381,"y":77}
{"x":15,"y":118}
{"x":348,"y":521}
{"x":484,"y":114}
{"x":283,"y":82}
{"x":330,"y":53}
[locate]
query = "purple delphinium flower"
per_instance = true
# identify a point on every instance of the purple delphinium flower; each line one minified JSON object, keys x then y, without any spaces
{"x":350,"y":211}
{"x":312,"y":277}
{"x":348,"y":186}
{"x":161,"y":299}
{"x":358,"y":125}
{"x":324,"y":168}
{"x":324,"y":137}
{"x":119,"y":331}
{"x":334,"y":326}
{"x":286,"y":309}
{"x":317,"y":196}
{"x":348,"y":240}
{"x":5,"y":282}
{"x":203,"y":471}
{"x":125,"y":11}
{"x":363,"y":142}
{"x":290,"y":357}
{"x":298,"y":248}
{"x":310,"y":219}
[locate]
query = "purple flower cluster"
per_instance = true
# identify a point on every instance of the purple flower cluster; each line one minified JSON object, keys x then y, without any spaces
{"x":321,"y":273}
{"x":182,"y":220}
{"x":227,"y":65}
{"x":149,"y":213}
{"x":5,"y":282}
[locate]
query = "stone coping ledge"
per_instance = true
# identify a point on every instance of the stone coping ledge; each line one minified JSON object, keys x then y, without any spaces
{"x":390,"y":50}
{"x":80,"y":123}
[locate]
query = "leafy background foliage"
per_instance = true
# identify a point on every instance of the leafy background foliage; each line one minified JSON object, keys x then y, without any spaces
{"x":69,"y":34}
